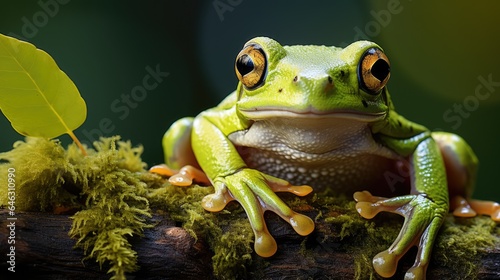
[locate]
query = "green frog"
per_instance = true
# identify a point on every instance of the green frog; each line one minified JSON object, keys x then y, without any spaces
{"x":308,"y":117}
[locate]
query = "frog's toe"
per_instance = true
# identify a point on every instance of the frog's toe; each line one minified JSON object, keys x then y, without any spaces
{"x":302,"y":224}
{"x":368,"y":206}
{"x":183,"y":177}
{"x":187,"y":175}
{"x":483,"y":207}
{"x":265,"y":245}
{"x":461,"y":207}
{"x":470,"y":208}
{"x":366,"y":196}
{"x":163,"y":170}
{"x":386,"y":263}
{"x":217,"y":201}
{"x":496,"y":216}
{"x":416,"y":272}
{"x":367,"y":210}
{"x":180,"y":180}
{"x":280,"y":185}
{"x":365,"y":204}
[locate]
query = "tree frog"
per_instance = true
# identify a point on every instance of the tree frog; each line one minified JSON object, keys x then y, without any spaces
{"x":309,"y":117}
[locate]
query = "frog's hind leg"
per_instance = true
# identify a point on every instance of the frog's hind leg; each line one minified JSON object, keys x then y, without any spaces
{"x":461,"y":168}
{"x":181,"y":164}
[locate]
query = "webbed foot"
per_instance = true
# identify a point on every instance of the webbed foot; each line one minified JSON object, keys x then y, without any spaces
{"x":423,"y":218}
{"x":255,"y":191}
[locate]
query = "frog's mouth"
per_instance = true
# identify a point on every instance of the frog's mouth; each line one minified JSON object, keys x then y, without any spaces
{"x":269,"y":112}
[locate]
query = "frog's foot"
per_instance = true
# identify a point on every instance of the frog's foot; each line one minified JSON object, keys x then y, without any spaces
{"x":183,"y":177}
{"x":470,"y":208}
{"x":423,"y":218}
{"x":255,"y":191}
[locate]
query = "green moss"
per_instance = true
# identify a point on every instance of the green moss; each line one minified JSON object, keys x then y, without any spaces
{"x":113,"y":195}
{"x":461,"y":240}
{"x":104,"y":185}
{"x":115,"y":207}
{"x":41,"y":169}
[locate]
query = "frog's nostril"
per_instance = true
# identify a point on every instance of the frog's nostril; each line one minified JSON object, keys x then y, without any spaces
{"x":295,"y":79}
{"x":329,"y":86}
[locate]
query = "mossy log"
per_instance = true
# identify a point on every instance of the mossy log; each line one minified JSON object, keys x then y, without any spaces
{"x":43,"y":250}
{"x":136,"y":224}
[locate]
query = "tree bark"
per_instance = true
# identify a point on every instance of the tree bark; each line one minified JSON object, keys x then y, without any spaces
{"x":43,"y":250}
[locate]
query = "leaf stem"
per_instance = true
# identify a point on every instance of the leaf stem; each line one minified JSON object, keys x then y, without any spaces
{"x":77,"y":142}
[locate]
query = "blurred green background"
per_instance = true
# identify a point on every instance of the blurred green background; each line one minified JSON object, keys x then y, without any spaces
{"x":444,"y":57}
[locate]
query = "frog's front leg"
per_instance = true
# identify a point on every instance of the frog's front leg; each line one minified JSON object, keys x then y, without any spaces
{"x":254,"y":190}
{"x":424,"y":210}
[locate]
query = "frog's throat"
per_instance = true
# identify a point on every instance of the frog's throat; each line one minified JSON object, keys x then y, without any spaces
{"x":268,"y":113}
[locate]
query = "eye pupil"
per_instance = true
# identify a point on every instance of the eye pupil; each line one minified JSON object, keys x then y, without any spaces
{"x":374,"y":70}
{"x":380,"y":69}
{"x":245,"y":64}
{"x":251,"y":66}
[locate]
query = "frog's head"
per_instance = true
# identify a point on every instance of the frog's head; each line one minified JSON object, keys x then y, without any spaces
{"x":312,"y":81}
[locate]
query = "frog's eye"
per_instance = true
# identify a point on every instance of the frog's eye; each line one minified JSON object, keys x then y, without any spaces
{"x":374,"y":71}
{"x":250,"y":66}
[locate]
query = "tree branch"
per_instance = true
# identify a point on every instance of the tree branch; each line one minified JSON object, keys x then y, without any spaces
{"x":43,"y":250}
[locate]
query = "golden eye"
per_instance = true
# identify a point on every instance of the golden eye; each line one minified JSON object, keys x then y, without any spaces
{"x":374,"y":70}
{"x":251,"y":66}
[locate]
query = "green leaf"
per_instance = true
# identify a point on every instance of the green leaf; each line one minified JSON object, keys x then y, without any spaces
{"x":37,"y":97}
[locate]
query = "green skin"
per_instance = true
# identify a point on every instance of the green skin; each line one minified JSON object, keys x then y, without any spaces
{"x":312,"y":121}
